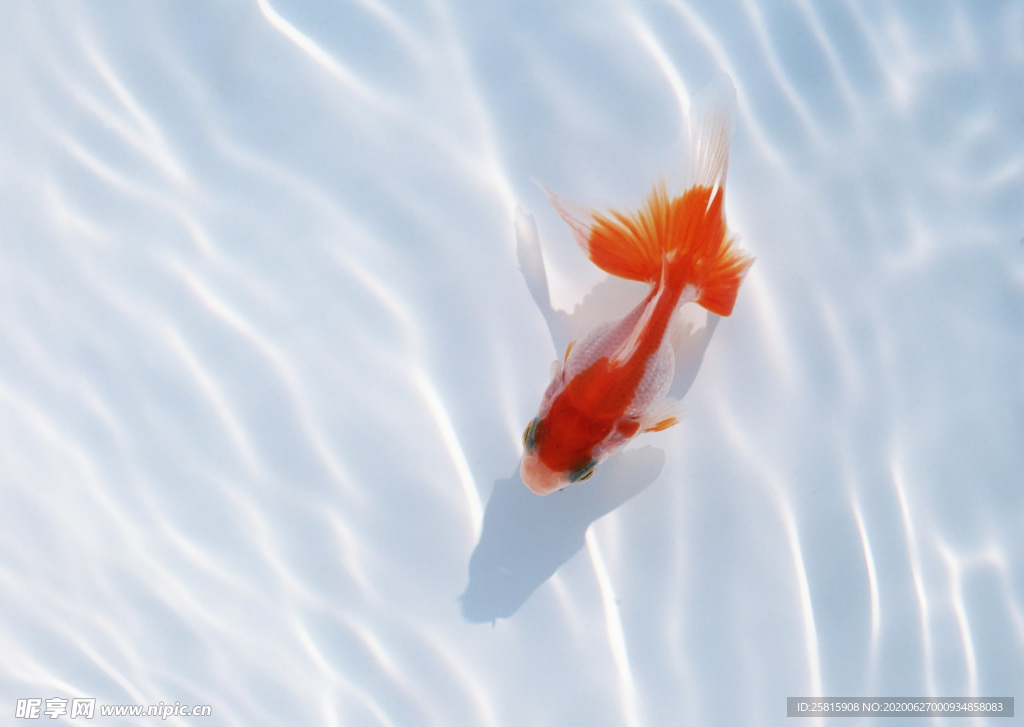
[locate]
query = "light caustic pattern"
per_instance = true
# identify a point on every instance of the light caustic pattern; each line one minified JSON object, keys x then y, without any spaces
{"x":268,"y":353}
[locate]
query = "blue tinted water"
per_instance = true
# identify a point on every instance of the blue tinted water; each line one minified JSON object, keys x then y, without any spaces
{"x":267,"y":353}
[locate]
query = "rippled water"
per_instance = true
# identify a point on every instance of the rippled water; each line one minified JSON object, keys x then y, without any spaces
{"x":267,"y":353}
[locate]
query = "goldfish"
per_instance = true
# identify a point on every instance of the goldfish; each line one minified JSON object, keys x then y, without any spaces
{"x":612,"y":383}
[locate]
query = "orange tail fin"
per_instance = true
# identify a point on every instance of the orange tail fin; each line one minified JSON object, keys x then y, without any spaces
{"x":683,"y":237}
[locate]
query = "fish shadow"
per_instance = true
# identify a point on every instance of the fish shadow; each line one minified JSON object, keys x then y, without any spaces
{"x":526,"y":538}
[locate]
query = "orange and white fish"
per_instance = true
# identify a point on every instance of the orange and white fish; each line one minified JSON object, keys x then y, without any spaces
{"x":612,"y":383}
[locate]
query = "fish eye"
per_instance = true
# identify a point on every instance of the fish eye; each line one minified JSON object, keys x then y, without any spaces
{"x":529,"y":433}
{"x":584,"y":473}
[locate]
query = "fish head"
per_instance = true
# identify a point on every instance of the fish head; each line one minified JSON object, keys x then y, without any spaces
{"x":538,"y":475}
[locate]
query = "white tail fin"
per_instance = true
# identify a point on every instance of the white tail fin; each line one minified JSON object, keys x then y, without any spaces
{"x":712,"y":122}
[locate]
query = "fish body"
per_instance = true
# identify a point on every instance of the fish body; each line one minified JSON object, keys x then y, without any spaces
{"x":612,"y":383}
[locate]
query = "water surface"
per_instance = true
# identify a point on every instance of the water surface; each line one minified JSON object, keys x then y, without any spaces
{"x":268,"y":354}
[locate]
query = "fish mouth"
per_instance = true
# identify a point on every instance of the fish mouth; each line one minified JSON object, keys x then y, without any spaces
{"x":538,"y":477}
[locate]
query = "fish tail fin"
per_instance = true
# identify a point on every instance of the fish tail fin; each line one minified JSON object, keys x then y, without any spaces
{"x":626,"y":246}
{"x":615,"y":242}
{"x":681,"y":241}
{"x":702,"y":252}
